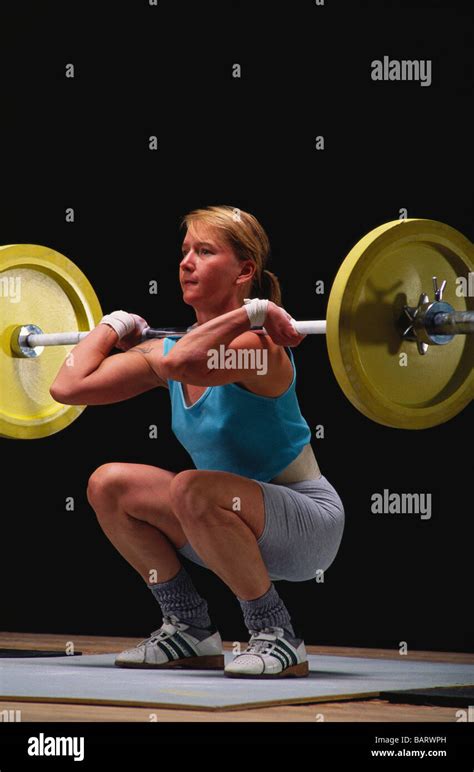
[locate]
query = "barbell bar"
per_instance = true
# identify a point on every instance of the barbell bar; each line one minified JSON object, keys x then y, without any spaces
{"x":24,"y":338}
{"x":445,"y":324}
{"x":454,"y":323}
{"x":377,"y":310}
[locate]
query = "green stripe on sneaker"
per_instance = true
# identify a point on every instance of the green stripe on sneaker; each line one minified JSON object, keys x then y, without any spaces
{"x":283,"y":646}
{"x":185,"y":644}
{"x":177,"y":649}
{"x":285,"y":655}
{"x":166,"y":650}
{"x":280,"y":657}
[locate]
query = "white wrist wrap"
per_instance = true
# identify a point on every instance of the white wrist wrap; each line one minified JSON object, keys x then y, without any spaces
{"x":120,"y":321}
{"x":257,"y":310}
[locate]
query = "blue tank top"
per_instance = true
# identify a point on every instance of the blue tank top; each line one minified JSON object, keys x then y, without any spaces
{"x":231,"y":429}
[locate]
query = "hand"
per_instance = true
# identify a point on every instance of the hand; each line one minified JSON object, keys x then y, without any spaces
{"x":279,"y":327}
{"x":135,"y":337}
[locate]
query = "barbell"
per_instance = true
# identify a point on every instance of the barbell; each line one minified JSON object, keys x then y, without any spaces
{"x":386,"y":339}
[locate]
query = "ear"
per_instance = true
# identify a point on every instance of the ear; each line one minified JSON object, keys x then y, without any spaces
{"x":247,"y":271}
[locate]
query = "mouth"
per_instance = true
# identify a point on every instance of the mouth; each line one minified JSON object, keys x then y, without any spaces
{"x":188,"y":281}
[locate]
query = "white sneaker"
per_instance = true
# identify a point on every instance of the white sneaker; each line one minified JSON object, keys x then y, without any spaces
{"x":269,"y":654}
{"x":176,"y":644}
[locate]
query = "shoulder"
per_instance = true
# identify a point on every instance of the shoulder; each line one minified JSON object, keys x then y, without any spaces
{"x":277,"y":355}
{"x":276,"y":369}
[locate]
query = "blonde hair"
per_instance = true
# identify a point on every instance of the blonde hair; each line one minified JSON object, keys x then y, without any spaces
{"x":244,"y":234}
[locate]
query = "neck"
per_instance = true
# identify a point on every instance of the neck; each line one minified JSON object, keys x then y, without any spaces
{"x":204,"y":315}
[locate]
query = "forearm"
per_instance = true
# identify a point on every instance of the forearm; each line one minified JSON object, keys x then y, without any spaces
{"x":190,"y":352}
{"x":86,"y":357}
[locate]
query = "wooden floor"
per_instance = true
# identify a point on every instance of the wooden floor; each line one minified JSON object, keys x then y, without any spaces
{"x":356,"y":710}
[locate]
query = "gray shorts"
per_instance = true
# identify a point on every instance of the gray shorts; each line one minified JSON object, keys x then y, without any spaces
{"x":304,"y":523}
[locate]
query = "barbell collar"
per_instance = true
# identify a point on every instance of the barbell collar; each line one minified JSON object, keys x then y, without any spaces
{"x":434,"y":323}
{"x":20,"y":341}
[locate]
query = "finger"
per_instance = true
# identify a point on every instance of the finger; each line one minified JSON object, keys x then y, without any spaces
{"x":292,"y":339}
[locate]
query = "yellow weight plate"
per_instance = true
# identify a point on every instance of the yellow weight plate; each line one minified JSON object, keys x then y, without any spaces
{"x":42,"y":287}
{"x":389,"y":268}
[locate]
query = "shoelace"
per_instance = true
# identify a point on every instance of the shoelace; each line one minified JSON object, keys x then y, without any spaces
{"x":159,"y":634}
{"x":260,"y":643}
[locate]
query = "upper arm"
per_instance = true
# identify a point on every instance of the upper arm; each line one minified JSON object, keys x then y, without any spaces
{"x":151,"y":351}
{"x":250,"y":359}
{"x":119,"y":377}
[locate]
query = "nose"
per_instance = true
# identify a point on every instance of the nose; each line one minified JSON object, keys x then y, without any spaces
{"x":186,"y":267}
{"x":187,"y":259}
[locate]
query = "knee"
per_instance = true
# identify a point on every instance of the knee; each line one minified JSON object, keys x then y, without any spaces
{"x":187,"y":495}
{"x":105,"y":481}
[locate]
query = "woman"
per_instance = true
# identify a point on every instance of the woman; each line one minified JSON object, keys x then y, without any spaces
{"x":256,"y":507}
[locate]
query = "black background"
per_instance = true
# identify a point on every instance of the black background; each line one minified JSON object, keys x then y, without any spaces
{"x":83,"y":143}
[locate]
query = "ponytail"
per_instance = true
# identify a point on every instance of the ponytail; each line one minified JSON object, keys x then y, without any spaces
{"x":270,"y":287}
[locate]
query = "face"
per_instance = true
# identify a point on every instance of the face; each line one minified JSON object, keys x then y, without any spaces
{"x":211,"y":276}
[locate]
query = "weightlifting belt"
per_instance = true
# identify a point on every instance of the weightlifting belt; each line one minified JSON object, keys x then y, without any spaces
{"x":303,"y":467}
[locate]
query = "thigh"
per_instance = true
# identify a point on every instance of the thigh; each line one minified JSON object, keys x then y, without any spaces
{"x":304,"y":523}
{"x":196,"y":489}
{"x":145,"y":495}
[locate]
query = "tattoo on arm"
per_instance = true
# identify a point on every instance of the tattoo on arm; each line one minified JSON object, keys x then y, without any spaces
{"x":146,"y":350}
{"x":142,"y":349}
